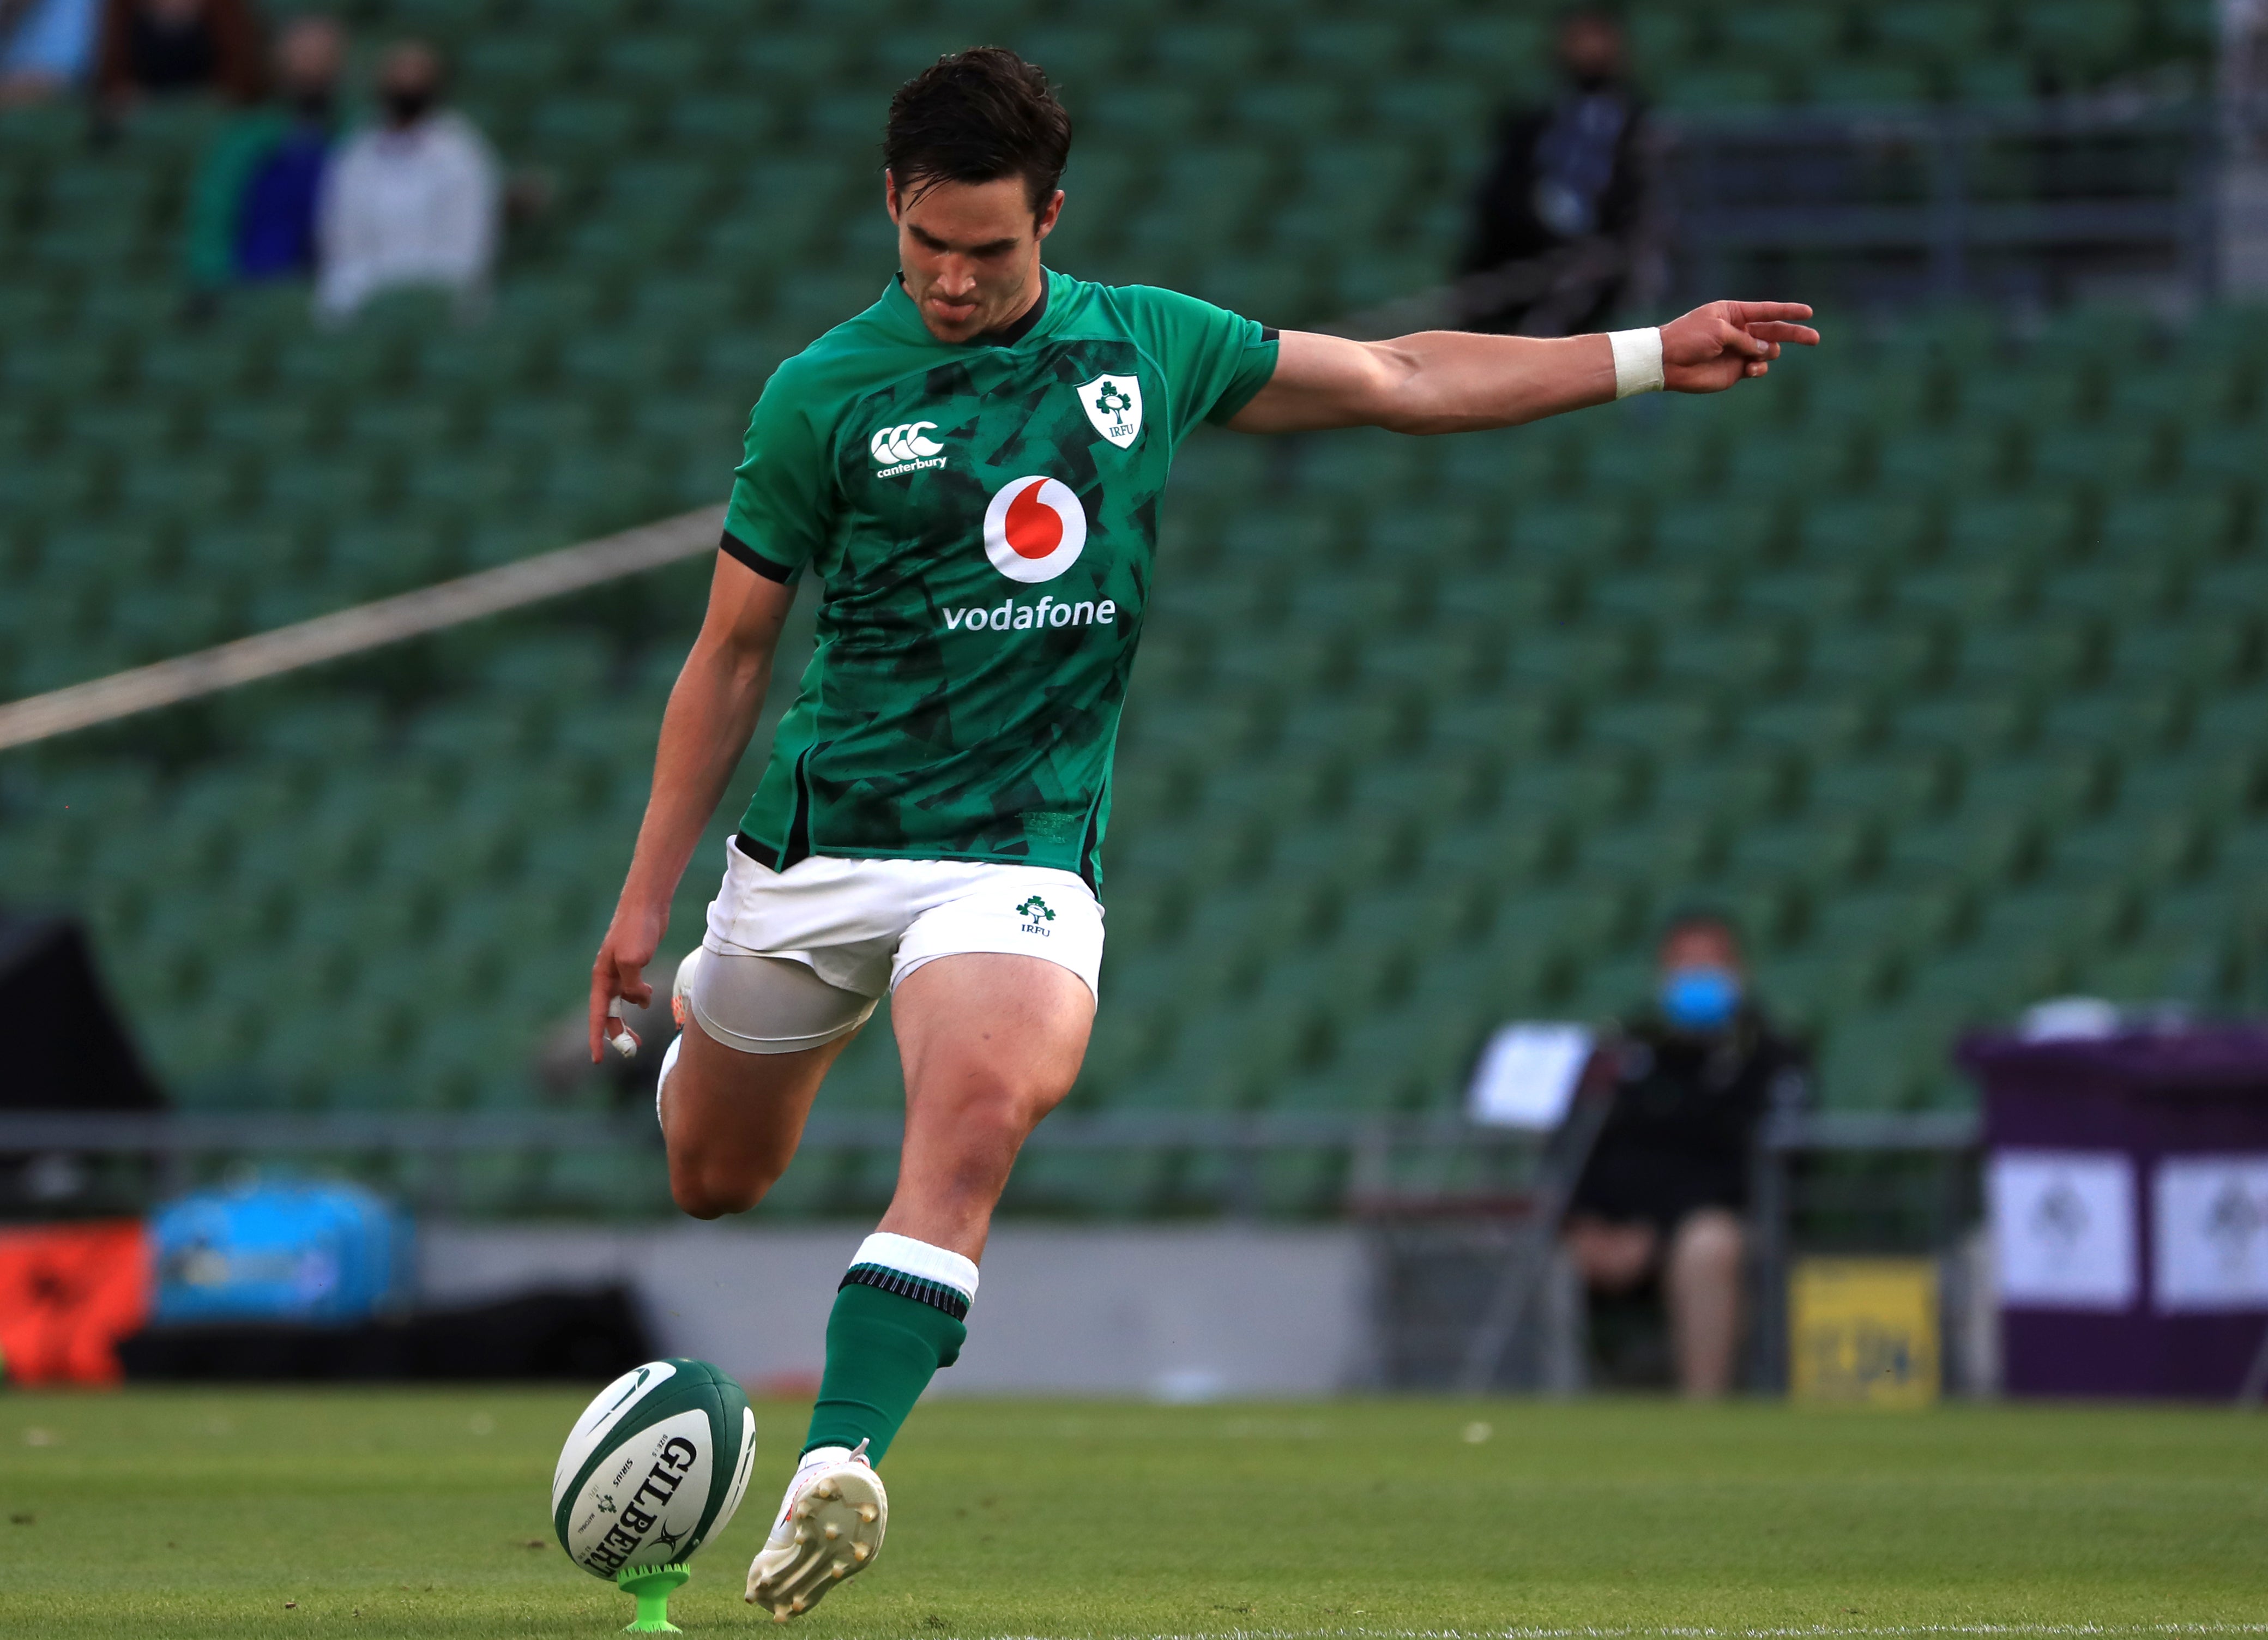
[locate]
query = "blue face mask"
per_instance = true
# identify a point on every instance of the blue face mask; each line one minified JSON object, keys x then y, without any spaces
{"x":1700,"y":998}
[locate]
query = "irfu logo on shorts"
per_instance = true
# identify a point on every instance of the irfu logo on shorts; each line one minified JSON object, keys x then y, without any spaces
{"x":1037,"y":914}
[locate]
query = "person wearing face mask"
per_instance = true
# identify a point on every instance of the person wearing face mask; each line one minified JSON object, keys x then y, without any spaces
{"x":252,"y":212}
{"x":1556,"y":216}
{"x":1659,"y":1200}
{"x":167,"y":47}
{"x":46,"y":48}
{"x":414,"y":200}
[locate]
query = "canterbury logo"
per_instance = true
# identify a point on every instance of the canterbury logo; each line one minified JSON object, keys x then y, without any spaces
{"x":898,"y":446}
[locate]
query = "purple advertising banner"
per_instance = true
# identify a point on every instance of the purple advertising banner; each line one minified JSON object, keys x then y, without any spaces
{"x":2128,"y":1177}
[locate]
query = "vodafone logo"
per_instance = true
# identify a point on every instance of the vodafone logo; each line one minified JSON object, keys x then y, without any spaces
{"x":1034,"y":529}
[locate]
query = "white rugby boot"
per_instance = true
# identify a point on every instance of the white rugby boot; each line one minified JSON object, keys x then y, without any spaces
{"x":830,"y":1524}
{"x":680,"y":1010}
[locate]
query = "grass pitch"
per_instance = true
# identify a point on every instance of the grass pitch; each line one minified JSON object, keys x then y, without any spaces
{"x":368,"y":1515}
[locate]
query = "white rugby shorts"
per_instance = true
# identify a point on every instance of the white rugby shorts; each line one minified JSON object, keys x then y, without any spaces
{"x":860,"y":927}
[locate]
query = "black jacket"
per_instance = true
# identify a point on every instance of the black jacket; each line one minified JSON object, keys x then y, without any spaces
{"x":1686,"y":1108}
{"x":1506,"y":224}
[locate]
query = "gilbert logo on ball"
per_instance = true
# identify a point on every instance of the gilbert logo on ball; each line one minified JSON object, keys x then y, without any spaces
{"x":653,"y":1468}
{"x":1034,"y":529}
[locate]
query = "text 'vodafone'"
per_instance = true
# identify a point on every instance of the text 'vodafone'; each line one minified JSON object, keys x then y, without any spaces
{"x":1011,"y":616}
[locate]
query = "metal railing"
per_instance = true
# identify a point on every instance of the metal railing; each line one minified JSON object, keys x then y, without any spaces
{"x":2017,"y":202}
{"x":1395,"y":1163}
{"x":1950,"y":1140}
{"x":1390,"y":1160}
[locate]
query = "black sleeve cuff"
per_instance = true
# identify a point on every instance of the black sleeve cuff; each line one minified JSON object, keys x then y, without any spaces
{"x":733,"y":547}
{"x":1268,"y":333}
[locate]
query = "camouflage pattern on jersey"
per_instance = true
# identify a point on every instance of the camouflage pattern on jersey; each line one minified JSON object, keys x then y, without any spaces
{"x":984,"y":518}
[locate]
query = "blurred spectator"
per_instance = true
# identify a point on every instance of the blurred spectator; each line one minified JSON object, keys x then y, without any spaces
{"x":252,"y":214}
{"x":161,"y":47}
{"x":414,"y":200}
{"x":1555,"y":221}
{"x":1659,"y":1203}
{"x":46,"y":48}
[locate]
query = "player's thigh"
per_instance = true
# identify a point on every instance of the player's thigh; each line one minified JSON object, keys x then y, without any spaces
{"x":760,"y":1034}
{"x":734,"y":1110}
{"x":989,"y":1037}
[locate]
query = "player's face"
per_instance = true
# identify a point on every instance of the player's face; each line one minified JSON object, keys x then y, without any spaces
{"x":970,"y":252}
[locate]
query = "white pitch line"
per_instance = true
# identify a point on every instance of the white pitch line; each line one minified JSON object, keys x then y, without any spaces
{"x":364,"y":627}
{"x":1817,"y":1631}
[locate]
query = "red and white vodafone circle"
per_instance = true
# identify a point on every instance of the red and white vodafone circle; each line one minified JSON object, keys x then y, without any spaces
{"x":1034,"y":529}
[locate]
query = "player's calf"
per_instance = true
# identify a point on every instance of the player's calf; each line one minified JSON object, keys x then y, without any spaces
{"x":899,"y":1316}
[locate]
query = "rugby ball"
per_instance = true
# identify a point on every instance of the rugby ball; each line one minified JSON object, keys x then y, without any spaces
{"x":653,"y":1468}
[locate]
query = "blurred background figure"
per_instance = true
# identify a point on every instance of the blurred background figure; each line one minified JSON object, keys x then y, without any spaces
{"x":1555,"y":218}
{"x":1660,"y":1203}
{"x":563,"y":1066}
{"x":414,"y":200}
{"x":252,"y":213}
{"x":2243,"y":205}
{"x":165,"y":47}
{"x":46,"y":48}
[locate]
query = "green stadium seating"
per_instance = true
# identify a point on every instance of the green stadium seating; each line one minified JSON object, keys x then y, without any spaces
{"x":1938,"y":658}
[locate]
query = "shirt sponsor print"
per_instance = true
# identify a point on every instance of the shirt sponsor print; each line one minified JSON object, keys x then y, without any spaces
{"x":1035,"y":528}
{"x":905,"y":448}
{"x":1008,"y":615}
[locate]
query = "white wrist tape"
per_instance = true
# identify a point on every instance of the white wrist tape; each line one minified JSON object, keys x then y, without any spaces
{"x":1638,"y":360}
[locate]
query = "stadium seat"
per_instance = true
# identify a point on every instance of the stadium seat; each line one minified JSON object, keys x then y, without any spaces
{"x":1714,"y":90}
{"x":2078,"y":39}
{"x":1928,"y":634}
{"x":1451,"y":108}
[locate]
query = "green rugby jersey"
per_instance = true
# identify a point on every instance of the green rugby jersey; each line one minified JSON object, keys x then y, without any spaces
{"x":984,"y":516}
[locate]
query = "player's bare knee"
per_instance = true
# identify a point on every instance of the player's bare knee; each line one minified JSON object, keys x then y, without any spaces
{"x":998,"y":1111}
{"x":706,"y":1193}
{"x":703,"y":1200}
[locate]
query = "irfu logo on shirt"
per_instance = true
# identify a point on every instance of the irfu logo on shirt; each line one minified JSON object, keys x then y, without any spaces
{"x":1114,"y":404}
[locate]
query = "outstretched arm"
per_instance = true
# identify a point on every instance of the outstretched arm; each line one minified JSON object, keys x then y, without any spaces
{"x":1450,"y":381}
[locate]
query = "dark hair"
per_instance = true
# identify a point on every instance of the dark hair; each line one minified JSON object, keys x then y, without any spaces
{"x":977,"y":116}
{"x":1697,"y":919}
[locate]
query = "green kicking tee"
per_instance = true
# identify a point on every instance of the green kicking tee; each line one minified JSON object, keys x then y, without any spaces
{"x":985,"y":516}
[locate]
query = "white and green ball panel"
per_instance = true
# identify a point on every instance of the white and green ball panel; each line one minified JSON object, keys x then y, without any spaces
{"x":654,"y":1467}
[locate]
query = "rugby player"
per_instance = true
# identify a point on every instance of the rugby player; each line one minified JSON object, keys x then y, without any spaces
{"x":973,"y":467}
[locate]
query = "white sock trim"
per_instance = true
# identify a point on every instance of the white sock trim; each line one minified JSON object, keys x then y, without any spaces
{"x":1637,"y":361}
{"x":920,"y":1259}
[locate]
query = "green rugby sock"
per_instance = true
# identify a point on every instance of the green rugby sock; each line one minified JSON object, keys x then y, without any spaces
{"x":892,"y":1328}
